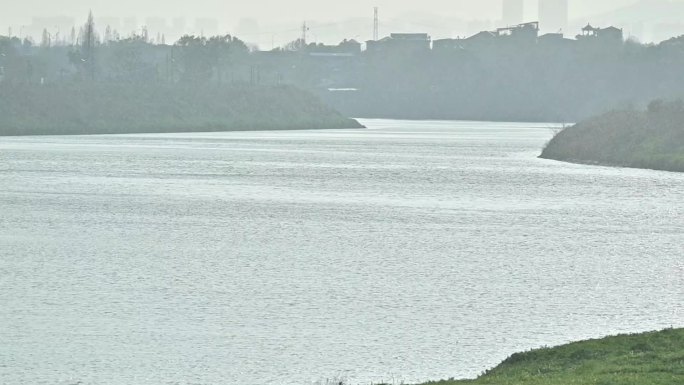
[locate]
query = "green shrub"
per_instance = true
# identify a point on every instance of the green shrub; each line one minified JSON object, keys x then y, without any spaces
{"x":645,"y":139}
{"x":126,"y":108}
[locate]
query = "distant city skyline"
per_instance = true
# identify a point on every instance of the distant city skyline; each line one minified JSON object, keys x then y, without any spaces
{"x":512,"y":12}
{"x":272,"y":11}
{"x":270,"y":24}
{"x":554,"y":16}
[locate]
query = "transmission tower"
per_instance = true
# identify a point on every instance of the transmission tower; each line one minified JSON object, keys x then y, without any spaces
{"x":304,"y":30}
{"x":376,"y":24}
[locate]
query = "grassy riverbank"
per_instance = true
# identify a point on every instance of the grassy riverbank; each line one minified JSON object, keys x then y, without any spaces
{"x":655,"y":358}
{"x":127,"y":108}
{"x":651,"y":139}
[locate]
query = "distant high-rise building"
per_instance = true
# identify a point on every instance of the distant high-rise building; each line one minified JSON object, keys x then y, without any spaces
{"x":248,"y":29}
{"x":207,"y":26}
{"x":553,"y":15}
{"x":513,"y":12}
{"x":112,"y":22}
{"x":129,"y":26}
{"x":178,"y":28}
{"x":157,"y":25}
{"x":475,"y":26}
{"x":53,"y":26}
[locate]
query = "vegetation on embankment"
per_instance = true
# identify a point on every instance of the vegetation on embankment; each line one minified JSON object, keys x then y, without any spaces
{"x":108,"y":108}
{"x":655,"y":358}
{"x":651,"y":139}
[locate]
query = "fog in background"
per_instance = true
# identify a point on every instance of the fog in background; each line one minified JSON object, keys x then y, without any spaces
{"x":272,"y":23}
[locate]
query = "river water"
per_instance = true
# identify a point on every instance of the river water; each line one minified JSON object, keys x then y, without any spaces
{"x":409,"y":251}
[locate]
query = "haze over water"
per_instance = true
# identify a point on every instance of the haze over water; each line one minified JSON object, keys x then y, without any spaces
{"x":409,"y":251}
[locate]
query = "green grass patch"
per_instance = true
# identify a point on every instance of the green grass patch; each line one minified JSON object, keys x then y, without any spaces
{"x":107,"y":108}
{"x":642,"y":139}
{"x":655,"y":358}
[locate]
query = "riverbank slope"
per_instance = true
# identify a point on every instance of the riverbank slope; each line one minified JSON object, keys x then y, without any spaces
{"x":655,"y":358}
{"x":66,"y":109}
{"x":652,"y":139}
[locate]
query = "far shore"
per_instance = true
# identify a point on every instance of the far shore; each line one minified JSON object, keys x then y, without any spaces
{"x":106,"y":108}
{"x":651,"y":139}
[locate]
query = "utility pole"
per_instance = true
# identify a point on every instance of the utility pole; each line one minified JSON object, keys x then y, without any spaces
{"x":376,"y":24}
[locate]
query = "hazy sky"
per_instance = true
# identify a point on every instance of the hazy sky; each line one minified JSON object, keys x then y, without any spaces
{"x":277,"y":20}
{"x":269,"y":11}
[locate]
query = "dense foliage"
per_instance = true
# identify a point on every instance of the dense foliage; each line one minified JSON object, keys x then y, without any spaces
{"x":645,"y":139}
{"x":525,"y":78}
{"x":88,"y":108}
{"x":564,"y":81}
{"x":645,"y":359}
{"x":131,"y":85}
{"x":193,"y":59}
